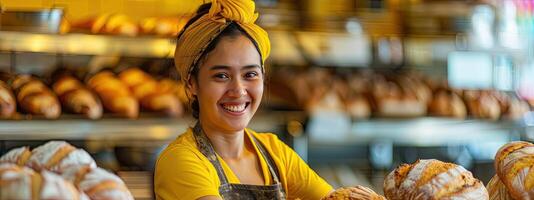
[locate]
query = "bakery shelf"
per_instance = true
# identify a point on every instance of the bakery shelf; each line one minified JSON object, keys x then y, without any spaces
{"x":86,"y":44}
{"x":421,"y":132}
{"x":129,"y":131}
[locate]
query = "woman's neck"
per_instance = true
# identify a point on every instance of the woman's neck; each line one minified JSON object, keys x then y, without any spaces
{"x":229,"y":145}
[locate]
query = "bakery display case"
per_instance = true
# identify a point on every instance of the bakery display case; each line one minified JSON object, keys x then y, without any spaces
{"x":355,"y":93}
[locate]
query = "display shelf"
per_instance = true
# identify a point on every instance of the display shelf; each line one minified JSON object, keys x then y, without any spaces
{"x":424,"y":131}
{"x":86,"y":44}
{"x":117,"y":129}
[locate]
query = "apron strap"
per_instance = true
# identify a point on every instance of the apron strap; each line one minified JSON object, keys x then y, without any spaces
{"x":270,"y":162}
{"x":206,"y":148}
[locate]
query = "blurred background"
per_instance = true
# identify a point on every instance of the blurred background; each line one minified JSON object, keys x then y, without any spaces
{"x":356,"y":87}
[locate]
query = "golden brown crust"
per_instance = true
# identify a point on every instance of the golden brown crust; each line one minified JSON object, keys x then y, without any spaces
{"x":24,"y":157}
{"x":115,"y":95}
{"x":106,"y":185}
{"x":505,"y":150}
{"x":433,"y":169}
{"x":354,"y":193}
{"x":497,"y":190}
{"x":66,"y":84}
{"x":401,"y":172}
{"x":37,"y":183}
{"x":80,"y":174}
{"x":59,"y":155}
{"x":514,"y":164}
{"x":432,"y":179}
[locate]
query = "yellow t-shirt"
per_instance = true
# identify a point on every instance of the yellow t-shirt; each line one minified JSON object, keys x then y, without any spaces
{"x":183,"y":172}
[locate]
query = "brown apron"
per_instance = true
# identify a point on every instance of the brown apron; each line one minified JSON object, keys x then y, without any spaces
{"x":230,"y":191}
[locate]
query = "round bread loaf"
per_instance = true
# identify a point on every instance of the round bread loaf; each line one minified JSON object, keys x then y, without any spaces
{"x":433,"y":179}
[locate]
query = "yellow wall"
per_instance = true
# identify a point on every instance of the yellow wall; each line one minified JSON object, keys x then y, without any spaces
{"x":136,"y":9}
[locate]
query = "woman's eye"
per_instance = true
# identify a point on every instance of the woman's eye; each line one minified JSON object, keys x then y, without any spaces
{"x":220,"y":76}
{"x":251,"y":75}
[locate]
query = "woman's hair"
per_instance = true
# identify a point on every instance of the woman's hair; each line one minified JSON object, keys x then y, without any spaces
{"x":232,"y":30}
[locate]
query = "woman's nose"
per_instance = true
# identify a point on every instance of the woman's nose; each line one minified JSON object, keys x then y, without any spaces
{"x":237,"y":89}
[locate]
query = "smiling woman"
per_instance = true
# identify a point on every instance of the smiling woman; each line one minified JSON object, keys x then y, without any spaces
{"x":220,"y":55}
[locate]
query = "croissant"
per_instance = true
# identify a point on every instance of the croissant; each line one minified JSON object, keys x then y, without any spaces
{"x":97,"y":183}
{"x":433,"y":179}
{"x":8,"y":104}
{"x":75,"y":97}
{"x":513,"y":162}
{"x":35,"y":97}
{"x":58,"y":155}
{"x":354,"y":193}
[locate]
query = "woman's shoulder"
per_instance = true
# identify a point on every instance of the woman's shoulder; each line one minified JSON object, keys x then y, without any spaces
{"x":269,"y":140}
{"x":264,"y":136}
{"x":184,"y":146}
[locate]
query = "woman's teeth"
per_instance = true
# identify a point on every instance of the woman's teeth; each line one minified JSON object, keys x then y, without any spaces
{"x":235,"y":108}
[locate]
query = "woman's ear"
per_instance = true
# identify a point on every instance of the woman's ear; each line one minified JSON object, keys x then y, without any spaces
{"x":192,"y":86}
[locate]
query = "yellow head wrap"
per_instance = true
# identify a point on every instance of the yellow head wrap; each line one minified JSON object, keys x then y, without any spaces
{"x":195,"y":38}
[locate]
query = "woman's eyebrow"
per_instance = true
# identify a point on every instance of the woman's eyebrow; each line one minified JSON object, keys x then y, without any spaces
{"x":250,"y":67}
{"x":219,"y":67}
{"x":225,"y":67}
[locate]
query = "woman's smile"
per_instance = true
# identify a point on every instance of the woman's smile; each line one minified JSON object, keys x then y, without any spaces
{"x":235,"y":108}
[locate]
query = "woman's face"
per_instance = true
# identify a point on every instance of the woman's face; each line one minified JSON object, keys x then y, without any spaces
{"x":229,"y":85}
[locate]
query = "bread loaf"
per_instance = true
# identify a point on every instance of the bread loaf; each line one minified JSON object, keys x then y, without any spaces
{"x":116,"y":96}
{"x":433,"y":179}
{"x":358,"y":107}
{"x":97,"y":183}
{"x":148,"y":91}
{"x":447,"y":104}
{"x":497,"y":190}
{"x":513,"y":164}
{"x":18,"y":156}
{"x":354,"y":193}
{"x":23,"y":183}
{"x":56,"y":156}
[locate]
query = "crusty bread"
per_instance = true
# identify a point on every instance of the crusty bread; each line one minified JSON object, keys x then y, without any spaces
{"x":23,"y":183}
{"x":18,"y":156}
{"x":513,"y":162}
{"x":116,"y":96}
{"x":152,"y":94}
{"x":447,"y":104}
{"x":354,"y":193}
{"x":97,"y":183}
{"x":433,"y":179}
{"x":58,"y":155}
{"x":497,"y":190}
